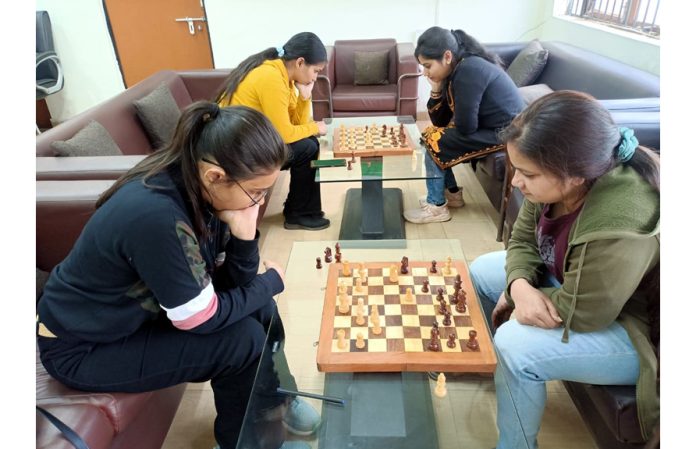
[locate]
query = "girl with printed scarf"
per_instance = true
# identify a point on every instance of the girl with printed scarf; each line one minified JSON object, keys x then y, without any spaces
{"x":581,"y":271}
{"x":162,"y":285}
{"x":278,"y":82}
{"x":471,"y":99}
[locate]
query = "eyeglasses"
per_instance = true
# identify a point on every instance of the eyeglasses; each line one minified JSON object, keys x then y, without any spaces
{"x":254,"y":201}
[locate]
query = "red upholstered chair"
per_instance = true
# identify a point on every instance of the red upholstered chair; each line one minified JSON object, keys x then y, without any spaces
{"x":335,"y":93}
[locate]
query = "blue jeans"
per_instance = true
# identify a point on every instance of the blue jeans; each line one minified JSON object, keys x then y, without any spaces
{"x":529,"y":356}
{"x":436,"y":186}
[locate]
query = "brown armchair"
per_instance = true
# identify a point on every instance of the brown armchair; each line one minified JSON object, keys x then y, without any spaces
{"x":335,"y":93}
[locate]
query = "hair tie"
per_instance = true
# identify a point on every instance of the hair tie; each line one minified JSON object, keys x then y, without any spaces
{"x":212,"y":115}
{"x":627,"y":145}
{"x":280,"y":51}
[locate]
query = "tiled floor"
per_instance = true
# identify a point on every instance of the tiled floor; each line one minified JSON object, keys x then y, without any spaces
{"x":474,"y":227}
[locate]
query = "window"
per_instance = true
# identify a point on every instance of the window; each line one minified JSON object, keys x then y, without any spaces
{"x":640,"y":16}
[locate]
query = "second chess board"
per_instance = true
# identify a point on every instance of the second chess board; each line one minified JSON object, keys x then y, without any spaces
{"x":404,"y":343}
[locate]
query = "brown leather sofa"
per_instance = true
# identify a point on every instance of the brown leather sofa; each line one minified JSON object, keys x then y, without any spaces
{"x":103,"y":420}
{"x":336,"y":95}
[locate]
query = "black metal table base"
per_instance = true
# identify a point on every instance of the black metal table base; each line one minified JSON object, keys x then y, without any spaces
{"x":373,"y":213}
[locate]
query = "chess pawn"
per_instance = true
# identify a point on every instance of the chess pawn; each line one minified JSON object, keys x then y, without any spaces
{"x":342,"y":289}
{"x":440,"y":387}
{"x":318,"y":263}
{"x":360,"y":341}
{"x":359,"y":285}
{"x":393,"y":275}
{"x":338,"y":257}
{"x":448,"y":267}
{"x":448,"y":318}
{"x":342,"y":343}
{"x":409,"y":295}
{"x":433,"y":267}
{"x":404,"y":265}
{"x":345,"y":269}
{"x":425,"y":288}
{"x":363,"y":272}
{"x":450,"y":341}
{"x":472,"y":343}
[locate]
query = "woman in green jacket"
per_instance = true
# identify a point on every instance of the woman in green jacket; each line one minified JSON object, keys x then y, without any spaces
{"x":582,"y":266}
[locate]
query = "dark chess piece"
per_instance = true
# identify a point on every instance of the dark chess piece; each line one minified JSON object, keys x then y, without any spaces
{"x":327,"y":255}
{"x":426,"y":286}
{"x":318,"y":262}
{"x":461,"y":302}
{"x":338,"y":248}
{"x":337,"y":256}
{"x":443,"y":307}
{"x":352,"y":156}
{"x":435,"y":345}
{"x":350,"y":165}
{"x":447,"y":321}
{"x":457,"y":282}
{"x":440,"y":294}
{"x":450,"y":341}
{"x":472,"y":343}
{"x":433,"y":266}
{"x":454,"y":299}
{"x":404,"y":265}
{"x":436,"y":328}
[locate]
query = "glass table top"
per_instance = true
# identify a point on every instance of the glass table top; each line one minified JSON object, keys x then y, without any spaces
{"x":378,"y":410}
{"x":373,"y":168}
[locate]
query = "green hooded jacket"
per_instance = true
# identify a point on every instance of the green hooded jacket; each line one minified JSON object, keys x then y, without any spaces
{"x":613,"y":244}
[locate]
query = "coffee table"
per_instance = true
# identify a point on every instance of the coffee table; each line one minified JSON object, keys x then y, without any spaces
{"x":379,"y":410}
{"x":372,"y":215}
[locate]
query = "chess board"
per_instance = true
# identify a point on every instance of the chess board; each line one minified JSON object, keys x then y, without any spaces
{"x":354,"y":140}
{"x":406,"y":326}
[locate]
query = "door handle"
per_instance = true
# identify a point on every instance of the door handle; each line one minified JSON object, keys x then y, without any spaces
{"x":190,"y":21}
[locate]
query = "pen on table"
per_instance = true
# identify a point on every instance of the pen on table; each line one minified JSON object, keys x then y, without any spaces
{"x":331,"y":399}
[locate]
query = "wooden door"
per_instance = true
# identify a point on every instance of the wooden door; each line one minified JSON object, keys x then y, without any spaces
{"x":148,"y":38}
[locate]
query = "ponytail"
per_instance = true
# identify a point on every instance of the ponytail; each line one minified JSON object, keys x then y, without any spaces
{"x":468,"y":46}
{"x":243,"y":142}
{"x":304,"y":45}
{"x":647,"y":163}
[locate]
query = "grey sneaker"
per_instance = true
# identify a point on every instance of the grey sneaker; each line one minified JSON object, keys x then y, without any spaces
{"x":428,"y":213}
{"x":301,"y":418}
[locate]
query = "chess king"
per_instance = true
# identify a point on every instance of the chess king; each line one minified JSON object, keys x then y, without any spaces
{"x":582,"y":266}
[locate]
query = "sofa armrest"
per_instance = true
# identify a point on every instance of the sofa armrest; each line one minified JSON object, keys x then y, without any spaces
{"x":408,"y":73}
{"x":84,"y":167}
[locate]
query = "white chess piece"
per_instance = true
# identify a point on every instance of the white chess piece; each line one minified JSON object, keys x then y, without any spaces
{"x":441,"y":388}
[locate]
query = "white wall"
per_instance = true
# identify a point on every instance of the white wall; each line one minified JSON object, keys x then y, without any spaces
{"x":635,"y":50}
{"x":242,"y":27}
{"x":83,"y":43}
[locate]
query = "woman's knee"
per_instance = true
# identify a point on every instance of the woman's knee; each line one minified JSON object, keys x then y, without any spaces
{"x":243,"y":341}
{"x":488,"y":273}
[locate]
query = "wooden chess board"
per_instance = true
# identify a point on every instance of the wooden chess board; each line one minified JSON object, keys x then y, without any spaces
{"x":374,"y":140}
{"x":406,"y":327}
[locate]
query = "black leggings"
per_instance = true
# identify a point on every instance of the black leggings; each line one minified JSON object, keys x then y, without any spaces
{"x":158,"y":356}
{"x":304,"y":196}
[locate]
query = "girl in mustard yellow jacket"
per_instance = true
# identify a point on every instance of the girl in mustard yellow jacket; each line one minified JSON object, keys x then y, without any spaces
{"x":278,"y":82}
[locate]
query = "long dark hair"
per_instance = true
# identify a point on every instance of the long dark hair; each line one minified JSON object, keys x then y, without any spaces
{"x":302,"y":45}
{"x":241,"y":140}
{"x":435,"y":41}
{"x":550,"y":131}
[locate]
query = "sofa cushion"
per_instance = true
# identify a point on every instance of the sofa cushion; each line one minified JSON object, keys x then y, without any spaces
{"x":371,"y":67}
{"x":528,"y":64}
{"x":532,"y":93}
{"x":159,"y":114}
{"x":379,"y":97}
{"x":92,"y":140}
